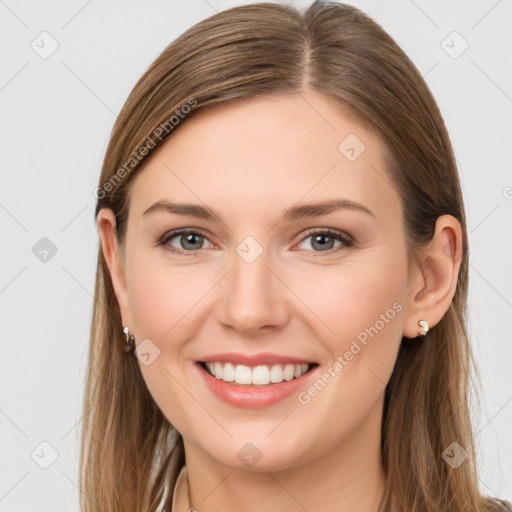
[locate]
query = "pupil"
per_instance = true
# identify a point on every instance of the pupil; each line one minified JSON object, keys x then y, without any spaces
{"x":323,"y":237}
{"x":190,"y":239}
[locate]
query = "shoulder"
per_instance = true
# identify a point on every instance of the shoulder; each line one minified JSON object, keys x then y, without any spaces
{"x":502,"y":505}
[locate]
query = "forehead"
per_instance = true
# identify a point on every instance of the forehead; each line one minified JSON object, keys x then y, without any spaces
{"x":265,"y":154}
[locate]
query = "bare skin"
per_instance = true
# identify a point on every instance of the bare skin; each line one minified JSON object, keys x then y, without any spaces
{"x":303,"y":296}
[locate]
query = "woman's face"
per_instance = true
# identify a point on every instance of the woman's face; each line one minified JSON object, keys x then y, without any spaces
{"x":259,"y":276}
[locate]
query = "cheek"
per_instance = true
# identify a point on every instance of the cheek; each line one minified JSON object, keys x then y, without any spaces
{"x":360,"y":308}
{"x":164,"y":297}
{"x":362,"y":304}
{"x":358,"y":300}
{"x":164,"y":302}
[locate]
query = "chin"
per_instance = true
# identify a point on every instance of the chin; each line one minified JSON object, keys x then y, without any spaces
{"x":261,"y":454}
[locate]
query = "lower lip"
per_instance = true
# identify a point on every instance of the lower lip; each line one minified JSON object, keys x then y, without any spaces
{"x":253,"y":397}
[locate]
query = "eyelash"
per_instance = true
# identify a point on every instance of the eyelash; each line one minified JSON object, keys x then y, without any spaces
{"x":346,"y":240}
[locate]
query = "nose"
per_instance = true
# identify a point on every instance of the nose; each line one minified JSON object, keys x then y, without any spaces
{"x":253,"y":297}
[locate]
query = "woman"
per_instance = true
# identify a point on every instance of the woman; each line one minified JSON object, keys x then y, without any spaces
{"x":283,"y":242}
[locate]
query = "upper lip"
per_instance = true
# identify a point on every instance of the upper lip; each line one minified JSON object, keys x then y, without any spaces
{"x":252,"y":359}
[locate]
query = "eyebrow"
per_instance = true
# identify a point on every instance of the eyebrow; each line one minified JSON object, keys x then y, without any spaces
{"x":292,"y":213}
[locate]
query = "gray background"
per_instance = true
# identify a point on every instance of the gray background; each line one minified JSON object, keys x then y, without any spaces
{"x":57,"y":114}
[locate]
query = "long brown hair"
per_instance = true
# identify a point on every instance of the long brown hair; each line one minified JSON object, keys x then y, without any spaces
{"x":128,"y":447}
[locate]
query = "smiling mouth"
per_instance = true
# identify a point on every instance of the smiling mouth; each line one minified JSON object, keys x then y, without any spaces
{"x":260,"y":375}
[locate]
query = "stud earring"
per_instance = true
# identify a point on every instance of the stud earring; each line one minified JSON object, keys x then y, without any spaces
{"x":130,"y":340}
{"x":422,"y":331}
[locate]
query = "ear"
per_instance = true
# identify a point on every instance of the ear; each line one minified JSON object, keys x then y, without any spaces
{"x":106,"y":222}
{"x":434,"y":279}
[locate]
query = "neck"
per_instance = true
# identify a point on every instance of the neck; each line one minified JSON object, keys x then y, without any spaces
{"x":348,"y":477}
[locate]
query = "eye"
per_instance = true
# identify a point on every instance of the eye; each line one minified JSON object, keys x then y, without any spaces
{"x":323,"y":241}
{"x":189,"y":242}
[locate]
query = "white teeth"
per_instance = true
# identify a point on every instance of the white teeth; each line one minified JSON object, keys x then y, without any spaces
{"x":228,"y":373}
{"x":276,"y":374}
{"x":289,"y":372}
{"x":258,"y":375}
{"x":219,"y":370}
{"x":243,"y":374}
